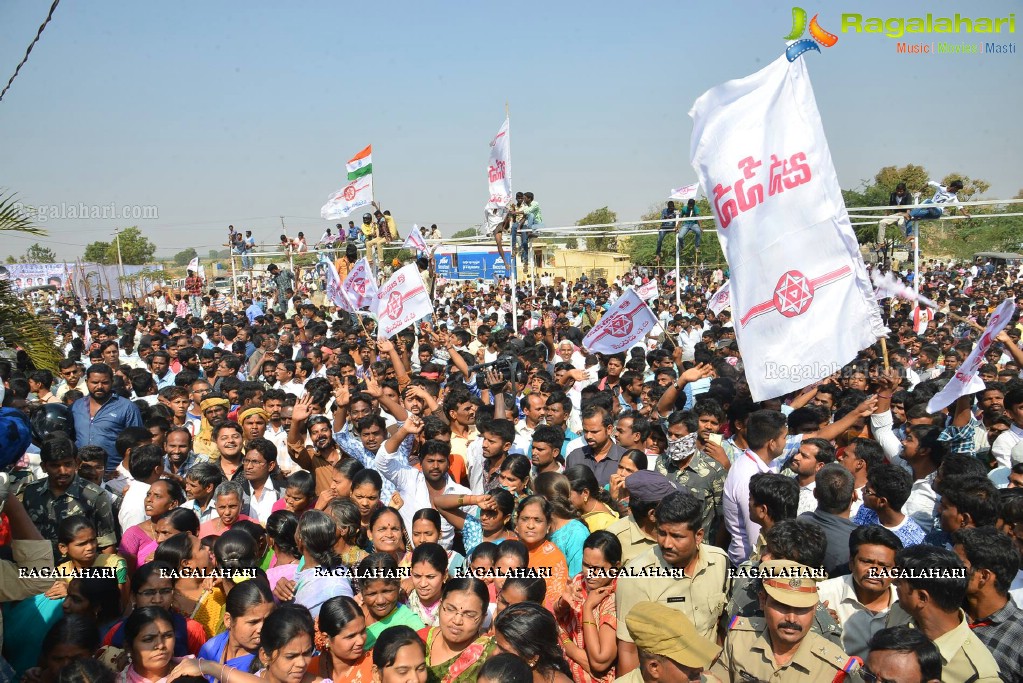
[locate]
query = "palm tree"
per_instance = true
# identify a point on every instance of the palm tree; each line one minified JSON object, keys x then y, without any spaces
{"x":20,"y":327}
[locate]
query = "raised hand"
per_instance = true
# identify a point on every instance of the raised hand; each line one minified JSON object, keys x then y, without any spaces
{"x":372,"y":385}
{"x":701,"y":371}
{"x":385,"y":346}
{"x":303,"y":408}
{"x":342,"y":396}
{"x":413,"y":425}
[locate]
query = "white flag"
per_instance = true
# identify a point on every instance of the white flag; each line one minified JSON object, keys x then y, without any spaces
{"x":415,"y":240}
{"x":626,"y":323}
{"x":922,"y":316}
{"x":499,"y":167}
{"x":966,"y":380}
{"x":888,"y":285}
{"x":759,"y":149}
{"x":402,"y":300}
{"x":356,"y":194}
{"x":360,"y":286}
{"x":648,"y":291}
{"x":722,"y":298}
{"x":335,"y":292}
{"x":686,"y":192}
{"x":193,"y":265}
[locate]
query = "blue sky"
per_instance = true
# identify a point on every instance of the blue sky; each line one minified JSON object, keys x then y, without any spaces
{"x":231,"y":112}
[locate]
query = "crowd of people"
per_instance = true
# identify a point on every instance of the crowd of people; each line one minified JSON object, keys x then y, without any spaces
{"x":268,"y":490}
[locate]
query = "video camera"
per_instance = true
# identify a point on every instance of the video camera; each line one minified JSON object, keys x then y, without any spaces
{"x":506,"y":364}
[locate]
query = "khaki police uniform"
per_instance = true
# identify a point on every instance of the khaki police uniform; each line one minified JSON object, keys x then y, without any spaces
{"x":701,"y":597}
{"x":658,"y":630}
{"x":748,"y":657}
{"x":634,"y":541}
{"x":964,"y":657}
{"x":748,"y":654}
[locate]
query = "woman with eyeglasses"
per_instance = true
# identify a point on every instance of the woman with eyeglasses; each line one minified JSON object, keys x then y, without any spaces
{"x":455,"y":650}
{"x":152,"y":586}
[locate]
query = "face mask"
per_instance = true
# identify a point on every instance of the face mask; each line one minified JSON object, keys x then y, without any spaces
{"x":682,"y":449}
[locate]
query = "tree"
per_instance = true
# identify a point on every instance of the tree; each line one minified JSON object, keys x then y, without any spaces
{"x":136,"y":249}
{"x":468,"y":232}
{"x":183,"y":257}
{"x":19,"y":326}
{"x":607,"y":240}
{"x":96,"y":252}
{"x":37,"y":253}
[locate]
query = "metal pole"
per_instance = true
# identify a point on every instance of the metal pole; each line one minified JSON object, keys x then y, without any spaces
{"x":234,"y":278}
{"x":678,"y":275}
{"x":514,"y":291}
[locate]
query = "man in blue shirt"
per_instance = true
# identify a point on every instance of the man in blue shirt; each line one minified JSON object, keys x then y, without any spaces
{"x":253,"y":311}
{"x":101,"y":416}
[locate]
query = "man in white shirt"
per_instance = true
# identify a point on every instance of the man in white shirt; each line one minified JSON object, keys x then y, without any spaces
{"x":812,"y":455}
{"x":1007,"y":440}
{"x":413,"y":485}
{"x":942,"y":196}
{"x":864,"y":598}
{"x":259,"y":464}
{"x":765,"y":432}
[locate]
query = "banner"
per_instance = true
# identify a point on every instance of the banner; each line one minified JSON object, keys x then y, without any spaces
{"x":499,"y":167}
{"x":648,"y":291}
{"x":758,"y":147}
{"x":193,"y":265}
{"x":401,"y":301}
{"x":685,"y":193}
{"x":921,"y":318}
{"x":625,"y":325}
{"x":415,"y":240}
{"x":966,"y":380}
{"x":355,"y":195}
{"x":25,"y":275}
{"x":721,"y":299}
{"x":360,"y":287}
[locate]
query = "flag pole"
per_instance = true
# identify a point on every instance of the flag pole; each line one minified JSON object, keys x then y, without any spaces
{"x":513,"y":248}
{"x":678,"y":274}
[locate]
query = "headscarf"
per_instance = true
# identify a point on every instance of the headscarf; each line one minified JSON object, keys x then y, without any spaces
{"x":204,"y":439}
{"x":249,"y":412}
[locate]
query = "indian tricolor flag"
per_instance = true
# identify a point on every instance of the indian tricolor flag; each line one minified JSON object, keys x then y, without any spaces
{"x":361,"y":164}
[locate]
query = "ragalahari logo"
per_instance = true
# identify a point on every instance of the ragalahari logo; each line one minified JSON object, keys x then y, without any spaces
{"x":818,"y":36}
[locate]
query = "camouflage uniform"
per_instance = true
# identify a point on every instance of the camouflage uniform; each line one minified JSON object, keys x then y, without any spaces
{"x":81,"y":498}
{"x":704,"y":477}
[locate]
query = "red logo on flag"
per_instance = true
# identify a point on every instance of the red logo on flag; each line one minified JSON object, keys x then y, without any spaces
{"x":349,"y":192}
{"x":394,"y":305}
{"x":794,"y":294}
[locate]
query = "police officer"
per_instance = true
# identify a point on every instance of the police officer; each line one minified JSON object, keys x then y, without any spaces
{"x":669,"y":647}
{"x":637,"y":531}
{"x":789,"y":539}
{"x":679,"y":572}
{"x":780,"y":646}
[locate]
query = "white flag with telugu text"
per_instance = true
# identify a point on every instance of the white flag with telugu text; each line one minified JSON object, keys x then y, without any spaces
{"x":721,"y":298}
{"x":625,"y":325}
{"x":355,"y":195}
{"x":335,"y":289}
{"x":803,"y":304}
{"x":193,"y":265}
{"x":648,"y":291}
{"x":401,"y":301}
{"x":685,"y":193}
{"x":360,"y":287}
{"x":415,"y":240}
{"x":499,"y":167}
{"x":967,"y":380}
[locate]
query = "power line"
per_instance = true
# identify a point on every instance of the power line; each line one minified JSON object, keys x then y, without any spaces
{"x":24,"y":59}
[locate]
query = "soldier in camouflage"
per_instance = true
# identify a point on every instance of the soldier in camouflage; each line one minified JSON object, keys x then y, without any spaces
{"x":694,"y":471}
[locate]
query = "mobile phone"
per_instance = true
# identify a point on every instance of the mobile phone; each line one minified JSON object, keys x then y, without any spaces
{"x":715,"y":439}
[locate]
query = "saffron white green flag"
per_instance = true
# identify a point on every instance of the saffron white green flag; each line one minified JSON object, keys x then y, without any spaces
{"x":355,"y":195}
{"x":361,"y":164}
